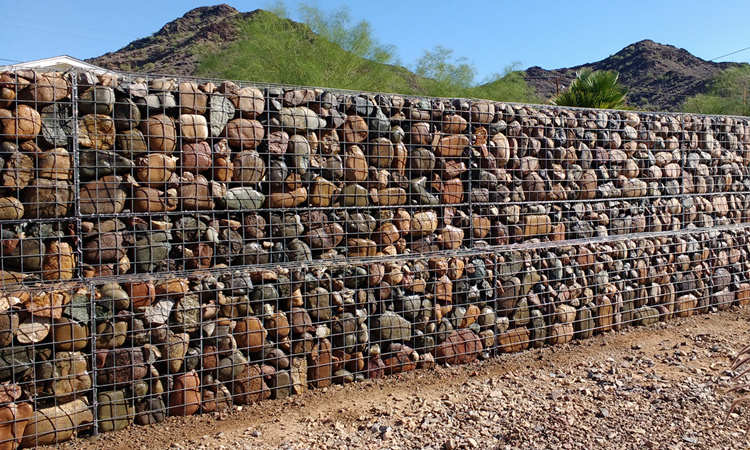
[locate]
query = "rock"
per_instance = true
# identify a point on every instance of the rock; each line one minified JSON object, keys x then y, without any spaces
{"x":250,"y":334}
{"x":24,"y":123}
{"x":104,"y":196}
{"x":114,"y":411}
{"x":185,"y":396}
{"x":461,"y":347}
{"x":319,"y":370}
{"x":13,"y":420}
{"x":57,"y":423}
{"x":389,"y":326}
{"x":47,"y":198}
{"x":301,"y":119}
{"x":423,"y":223}
{"x":160,"y":133}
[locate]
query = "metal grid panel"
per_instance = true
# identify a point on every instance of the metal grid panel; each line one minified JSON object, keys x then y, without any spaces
{"x":173,"y":246}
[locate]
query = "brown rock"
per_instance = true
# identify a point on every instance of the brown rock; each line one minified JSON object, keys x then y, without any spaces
{"x":18,"y":170}
{"x":46,"y":199}
{"x":249,"y":102}
{"x":13,"y":420}
{"x":59,"y":261}
{"x":104,"y":196}
{"x":283,"y":198}
{"x":24,"y":123}
{"x":354,"y":130}
{"x":244,"y":134}
{"x":452,"y":192}
{"x":249,"y":168}
{"x":96,"y":131}
{"x":461,"y":347}
{"x":250,"y":334}
{"x":391,"y":196}
{"x":154,"y":169}
{"x":191,"y":99}
{"x":452,"y":146}
{"x":57,"y":423}
{"x":355,"y":164}
{"x":55,"y":164}
{"x":185,"y":396}
{"x":514,"y":340}
{"x":160,"y":133}
{"x":423,"y":223}
{"x":319,"y":367}
{"x":193,"y":128}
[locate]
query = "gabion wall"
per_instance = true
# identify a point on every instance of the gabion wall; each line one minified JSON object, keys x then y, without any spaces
{"x":174,"y":246}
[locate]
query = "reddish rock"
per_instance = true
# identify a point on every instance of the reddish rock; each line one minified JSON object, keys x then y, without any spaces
{"x":185,"y":397}
{"x":461,"y":347}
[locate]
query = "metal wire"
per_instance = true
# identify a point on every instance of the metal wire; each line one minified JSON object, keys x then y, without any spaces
{"x":172,"y":246}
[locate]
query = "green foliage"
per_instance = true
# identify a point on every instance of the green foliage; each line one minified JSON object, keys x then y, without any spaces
{"x":593,"y":89}
{"x":445,"y":74}
{"x":727,"y":95}
{"x":329,"y":49}
{"x":274,"y":49}
{"x":509,"y":86}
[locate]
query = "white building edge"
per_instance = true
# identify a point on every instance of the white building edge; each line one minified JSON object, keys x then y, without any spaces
{"x":62,"y":62}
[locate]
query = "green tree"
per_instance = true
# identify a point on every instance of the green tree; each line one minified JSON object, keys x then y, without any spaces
{"x":593,"y":89}
{"x":328,"y":50}
{"x":727,"y":94}
{"x":508,"y":86}
{"x":446,"y":74}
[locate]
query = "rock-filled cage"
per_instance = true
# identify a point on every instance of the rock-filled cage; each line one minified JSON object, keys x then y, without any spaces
{"x":172,"y":246}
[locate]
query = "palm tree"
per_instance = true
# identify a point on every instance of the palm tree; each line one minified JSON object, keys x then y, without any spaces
{"x":593,"y":89}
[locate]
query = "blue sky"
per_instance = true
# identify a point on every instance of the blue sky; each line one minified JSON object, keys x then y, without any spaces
{"x":491,"y":34}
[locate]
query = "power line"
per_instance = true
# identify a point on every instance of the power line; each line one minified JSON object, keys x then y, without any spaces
{"x":729,"y":54}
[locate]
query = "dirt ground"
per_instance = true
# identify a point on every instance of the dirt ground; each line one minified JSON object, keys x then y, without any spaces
{"x":662,"y":386}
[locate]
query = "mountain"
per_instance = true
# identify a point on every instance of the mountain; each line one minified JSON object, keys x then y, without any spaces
{"x":221,"y":42}
{"x":658,"y":77}
{"x":171,"y":50}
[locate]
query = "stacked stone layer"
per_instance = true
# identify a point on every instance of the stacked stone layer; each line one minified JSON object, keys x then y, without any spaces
{"x":176,"y":246}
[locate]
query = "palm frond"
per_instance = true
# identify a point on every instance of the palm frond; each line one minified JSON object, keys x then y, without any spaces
{"x":593,"y":89}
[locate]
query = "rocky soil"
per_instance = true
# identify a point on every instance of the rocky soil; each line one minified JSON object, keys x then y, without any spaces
{"x":663,"y":386}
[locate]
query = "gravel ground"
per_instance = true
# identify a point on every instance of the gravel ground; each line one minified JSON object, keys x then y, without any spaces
{"x":661,"y":387}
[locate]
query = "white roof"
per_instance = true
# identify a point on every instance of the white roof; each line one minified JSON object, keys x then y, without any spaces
{"x":61,"y":62}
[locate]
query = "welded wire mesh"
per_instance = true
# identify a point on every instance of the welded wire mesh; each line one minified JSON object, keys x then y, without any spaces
{"x":173,"y":246}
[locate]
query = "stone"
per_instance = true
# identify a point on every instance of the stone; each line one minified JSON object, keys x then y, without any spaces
{"x":389,"y":326}
{"x":193,"y":128}
{"x":160,"y":132}
{"x":249,"y":386}
{"x":249,"y":101}
{"x":95,"y":164}
{"x":47,"y":198}
{"x":423,"y":223}
{"x":185,"y":397}
{"x":24,"y":123}
{"x":300,"y":118}
{"x":67,"y":334}
{"x":250,"y":334}
{"x":104,"y":196}
{"x":221,"y":111}
{"x":452,"y":146}
{"x":150,"y":411}
{"x":56,"y":424}
{"x":114,"y":411}
{"x":55,"y":164}
{"x":319,"y":365}
{"x":13,"y":420}
{"x":461,"y":347}
{"x":249,"y":168}
{"x":18,"y":170}
{"x":154,"y":169}
{"x":97,"y":100}
{"x":514,"y":340}
{"x":191,"y":99}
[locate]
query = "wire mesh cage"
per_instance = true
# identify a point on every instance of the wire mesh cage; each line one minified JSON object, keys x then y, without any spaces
{"x":173,"y":246}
